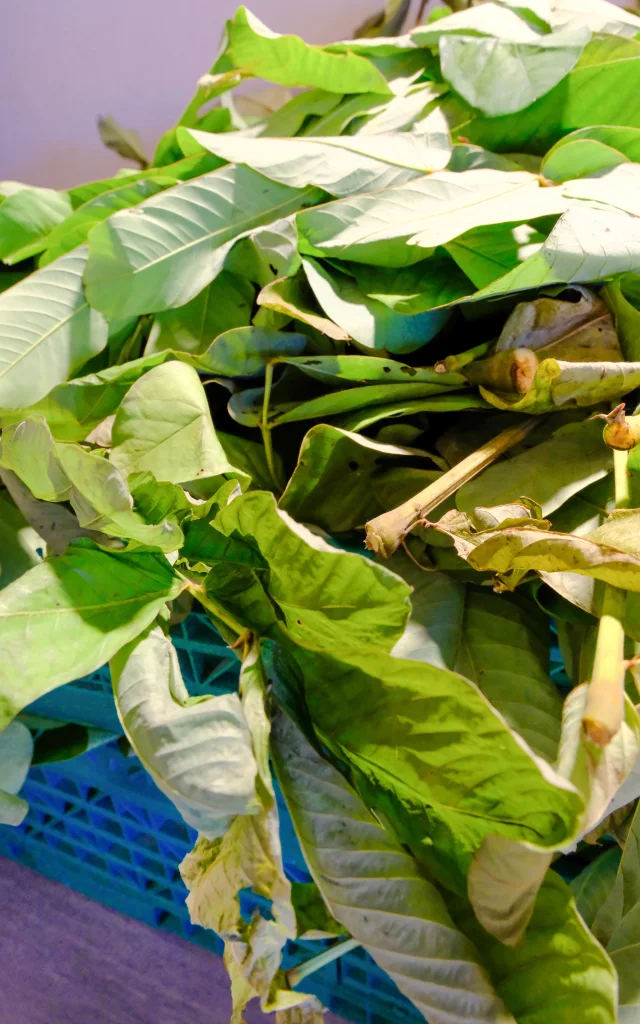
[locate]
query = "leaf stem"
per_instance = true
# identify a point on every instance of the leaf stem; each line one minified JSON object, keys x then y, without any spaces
{"x":265,"y":429}
{"x":296,"y":974}
{"x":621,"y":479}
{"x":604,"y":708}
{"x":385,"y":533}
{"x":453,"y":364}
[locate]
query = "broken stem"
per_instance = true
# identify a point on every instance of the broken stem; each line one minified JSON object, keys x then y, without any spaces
{"x":385,"y":533}
{"x":454,"y":363}
{"x":604,"y":708}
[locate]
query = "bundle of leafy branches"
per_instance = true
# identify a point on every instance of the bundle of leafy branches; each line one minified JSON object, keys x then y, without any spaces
{"x":406,"y":297}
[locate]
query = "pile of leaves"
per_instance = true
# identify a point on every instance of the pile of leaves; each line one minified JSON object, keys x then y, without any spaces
{"x":405,"y":297}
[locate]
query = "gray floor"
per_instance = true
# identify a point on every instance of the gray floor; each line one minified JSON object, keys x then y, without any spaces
{"x":67,"y":960}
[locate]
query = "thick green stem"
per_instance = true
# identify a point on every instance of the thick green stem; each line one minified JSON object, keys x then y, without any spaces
{"x":604,"y":708}
{"x":296,"y":974}
{"x":621,"y":478}
{"x":385,"y":533}
{"x":265,"y":429}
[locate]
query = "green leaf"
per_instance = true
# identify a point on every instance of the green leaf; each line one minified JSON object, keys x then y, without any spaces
{"x":225,"y":303}
{"x":592,"y":886}
{"x":599,"y":16}
{"x":497,"y":21}
{"x":392,"y":228}
{"x":585,"y":245}
{"x":478,"y":68}
{"x":388,"y":21}
{"x":292,"y":297}
{"x":559,"y":973}
{"x":327,"y":596}
{"x":626,"y":317}
{"x":60,"y":333}
{"x":243,"y":351}
{"x":415,"y":289}
{"x":29,"y":451}
{"x":549,"y":473}
{"x":588,"y":150}
{"x":249,"y":458}
{"x":74,"y":408}
{"x":369,"y":322}
{"x":343,"y":165}
{"x":74,"y":230}
{"x":600,"y":88}
{"x":197,"y":750}
{"x":418,"y":740}
{"x":617,"y":923}
{"x":164,"y":425}
{"x":501,"y":643}
{"x":485,"y":254}
{"x":547,"y":551}
{"x":95,"y":602}
{"x":435,"y":966}
{"x":342,"y":371}
{"x":165,"y":251}
{"x":19,"y":543}
{"x":16,"y":752}
{"x":361,"y":420}
{"x":246,"y":407}
{"x":26,"y":218}
{"x":329,"y":457}
{"x":290,"y":61}
{"x":102,"y":501}
{"x":123,"y":141}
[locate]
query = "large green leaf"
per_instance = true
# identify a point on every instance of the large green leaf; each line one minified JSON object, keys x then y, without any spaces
{"x":369,"y":322}
{"x":599,"y":15}
{"x":500,"y":643}
{"x":243,"y":351}
{"x":329,"y":458}
{"x":392,"y":228}
{"x":197,"y":750}
{"x":327,"y":596}
{"x":585,"y":245}
{"x":165,"y":251}
{"x":430,"y":753}
{"x":164,"y":425}
{"x":600,"y":88}
{"x":225,"y":303}
{"x":59,"y":334}
{"x":26,"y":218}
{"x":343,"y":165}
{"x":487,"y":253}
{"x":559,"y":972}
{"x":478,"y":68}
{"x":290,"y":61}
{"x":74,"y":230}
{"x":93,"y":600}
{"x":369,"y":883}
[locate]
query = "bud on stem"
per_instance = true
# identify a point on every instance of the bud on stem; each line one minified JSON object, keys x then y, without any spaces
{"x":620,"y":432}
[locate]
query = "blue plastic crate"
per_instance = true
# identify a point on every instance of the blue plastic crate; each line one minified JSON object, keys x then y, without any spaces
{"x":99,"y":824}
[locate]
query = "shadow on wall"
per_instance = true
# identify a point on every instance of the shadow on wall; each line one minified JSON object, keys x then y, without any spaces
{"x":67,"y":63}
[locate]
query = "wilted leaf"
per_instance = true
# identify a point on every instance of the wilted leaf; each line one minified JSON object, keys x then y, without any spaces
{"x":123,"y":141}
{"x":197,"y":750}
